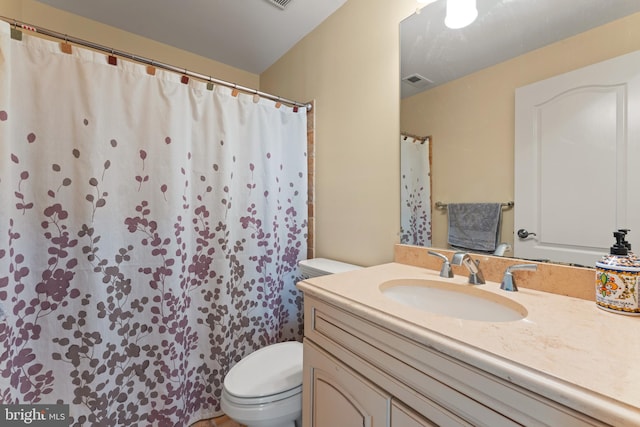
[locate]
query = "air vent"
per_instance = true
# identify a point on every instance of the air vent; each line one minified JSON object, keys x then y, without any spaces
{"x":416,"y":80}
{"x":281,"y":4}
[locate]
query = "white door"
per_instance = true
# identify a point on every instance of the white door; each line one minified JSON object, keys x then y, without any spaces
{"x":577,"y":162}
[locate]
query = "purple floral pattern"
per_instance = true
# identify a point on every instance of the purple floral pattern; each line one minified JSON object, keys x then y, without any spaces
{"x":415,"y":180}
{"x":143,"y":252}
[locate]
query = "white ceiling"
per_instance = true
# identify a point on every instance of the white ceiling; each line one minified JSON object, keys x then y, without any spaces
{"x":247,"y":34}
{"x":504,"y":29}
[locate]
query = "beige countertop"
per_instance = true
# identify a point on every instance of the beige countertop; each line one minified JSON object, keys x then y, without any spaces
{"x":565,"y":349}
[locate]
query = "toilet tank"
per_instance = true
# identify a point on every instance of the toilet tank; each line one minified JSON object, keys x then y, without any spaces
{"x":322,"y":266}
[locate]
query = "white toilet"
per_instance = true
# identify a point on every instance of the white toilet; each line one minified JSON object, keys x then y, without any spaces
{"x":265,"y":388}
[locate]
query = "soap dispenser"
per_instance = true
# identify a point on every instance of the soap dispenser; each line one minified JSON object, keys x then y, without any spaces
{"x":617,"y":278}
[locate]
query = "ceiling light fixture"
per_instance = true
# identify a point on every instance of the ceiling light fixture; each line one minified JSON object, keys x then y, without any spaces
{"x":460,"y":13}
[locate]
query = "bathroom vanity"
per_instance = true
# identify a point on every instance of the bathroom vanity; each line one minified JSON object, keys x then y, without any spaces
{"x":371,"y":360}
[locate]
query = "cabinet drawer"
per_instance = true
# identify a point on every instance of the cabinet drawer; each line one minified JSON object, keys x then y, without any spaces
{"x":402,"y":416}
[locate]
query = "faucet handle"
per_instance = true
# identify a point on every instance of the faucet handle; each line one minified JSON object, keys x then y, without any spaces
{"x":446,"y":270}
{"x":508,"y":282}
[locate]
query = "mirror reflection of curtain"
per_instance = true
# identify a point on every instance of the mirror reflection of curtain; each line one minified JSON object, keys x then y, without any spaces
{"x":415,"y":180}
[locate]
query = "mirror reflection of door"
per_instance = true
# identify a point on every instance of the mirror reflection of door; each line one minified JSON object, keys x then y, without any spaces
{"x":576,"y":161}
{"x":415,"y":192}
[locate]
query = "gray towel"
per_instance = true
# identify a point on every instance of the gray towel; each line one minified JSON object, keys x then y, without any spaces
{"x":474,"y":226}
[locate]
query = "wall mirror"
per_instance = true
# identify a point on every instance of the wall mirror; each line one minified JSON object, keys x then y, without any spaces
{"x":458,"y":86}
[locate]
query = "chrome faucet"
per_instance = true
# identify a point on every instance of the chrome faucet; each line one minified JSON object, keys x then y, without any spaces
{"x":475,"y":275}
{"x":508,"y":282}
{"x":501,"y":249}
{"x":445,"y":271}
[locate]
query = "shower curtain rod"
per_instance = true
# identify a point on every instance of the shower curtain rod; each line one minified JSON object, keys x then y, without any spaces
{"x":146,"y":61}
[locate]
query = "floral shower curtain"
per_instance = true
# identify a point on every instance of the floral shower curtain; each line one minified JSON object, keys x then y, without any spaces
{"x":415,"y":192}
{"x":150,"y":232}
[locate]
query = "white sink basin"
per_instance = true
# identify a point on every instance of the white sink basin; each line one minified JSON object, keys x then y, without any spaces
{"x":454,"y":300}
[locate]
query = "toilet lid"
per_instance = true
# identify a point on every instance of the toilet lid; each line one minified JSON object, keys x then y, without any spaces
{"x":271,"y":370}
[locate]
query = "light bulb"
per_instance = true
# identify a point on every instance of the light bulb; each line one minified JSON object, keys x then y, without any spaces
{"x":460,"y":13}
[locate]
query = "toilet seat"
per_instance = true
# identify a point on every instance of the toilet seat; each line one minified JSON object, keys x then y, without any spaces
{"x":278,"y":413}
{"x":248,"y":401}
{"x":270,"y":374}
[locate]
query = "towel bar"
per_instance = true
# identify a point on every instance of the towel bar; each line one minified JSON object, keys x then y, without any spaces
{"x":440,"y":205}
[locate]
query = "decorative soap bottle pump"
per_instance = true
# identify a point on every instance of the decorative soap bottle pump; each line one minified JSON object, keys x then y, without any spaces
{"x":618,"y":278}
{"x":632,"y":256}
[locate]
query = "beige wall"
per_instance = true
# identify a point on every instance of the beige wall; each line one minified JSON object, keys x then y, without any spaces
{"x":472,"y":119}
{"x":41,"y":15}
{"x":350,"y":66}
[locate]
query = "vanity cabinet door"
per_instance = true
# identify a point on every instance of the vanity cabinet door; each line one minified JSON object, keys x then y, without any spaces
{"x":334,"y":395}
